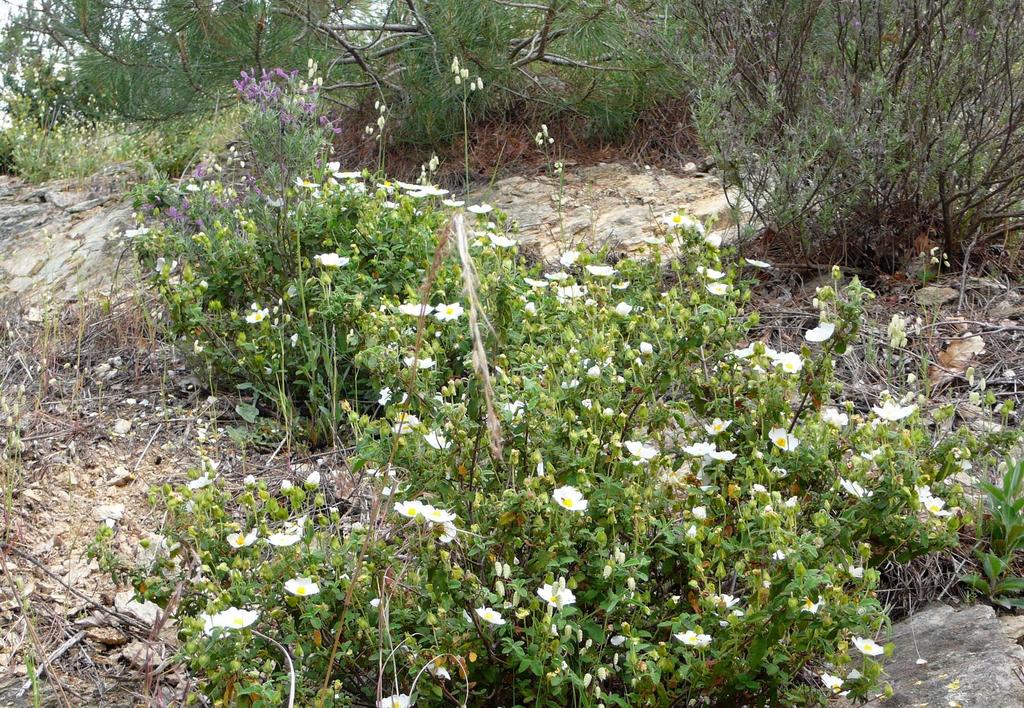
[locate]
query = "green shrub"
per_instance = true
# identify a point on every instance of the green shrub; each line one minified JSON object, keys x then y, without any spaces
{"x":584,"y":484}
{"x":581,"y":488}
{"x":859,"y":132}
{"x":727,"y":572}
{"x":44,"y":140}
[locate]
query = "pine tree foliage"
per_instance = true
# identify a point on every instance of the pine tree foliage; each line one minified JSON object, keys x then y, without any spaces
{"x":153,"y":59}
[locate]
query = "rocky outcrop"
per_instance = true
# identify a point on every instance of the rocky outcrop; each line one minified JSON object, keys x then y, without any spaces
{"x":608,"y":205}
{"x":947,"y":657}
{"x":60,"y":239}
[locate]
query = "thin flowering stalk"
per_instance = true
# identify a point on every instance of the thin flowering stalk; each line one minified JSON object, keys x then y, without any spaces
{"x":288,"y":660}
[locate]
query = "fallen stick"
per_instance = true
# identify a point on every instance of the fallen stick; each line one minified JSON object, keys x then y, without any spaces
{"x":54,"y":655}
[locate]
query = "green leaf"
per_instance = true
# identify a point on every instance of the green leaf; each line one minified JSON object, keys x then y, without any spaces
{"x":248,"y":412}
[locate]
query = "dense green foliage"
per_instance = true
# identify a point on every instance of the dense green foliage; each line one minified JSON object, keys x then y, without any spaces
{"x":580,"y":487}
{"x":576,"y":55}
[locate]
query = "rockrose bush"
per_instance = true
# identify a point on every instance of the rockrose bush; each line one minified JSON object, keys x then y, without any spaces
{"x":580,"y":484}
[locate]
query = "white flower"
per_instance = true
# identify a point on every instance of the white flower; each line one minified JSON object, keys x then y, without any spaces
{"x":490,"y":615}
{"x":717,"y":288}
{"x":646,"y":348}
{"x":449,"y":532}
{"x":744,"y":353}
{"x":404,"y":423}
{"x":513,"y":408}
{"x":501,"y":241}
{"x":832,"y":683}
{"x":623,"y":309}
{"x":569,"y":498}
{"x":680,"y":220}
{"x":556,"y":595}
{"x":855,"y":571}
{"x":867,"y":647}
{"x":854,"y":489}
{"x":641,"y":450}
{"x":933,"y":504}
{"x":241,"y":540}
{"x":249,"y":480}
{"x":892,"y":411}
{"x":438,"y":671}
{"x":601,"y":271}
{"x":313,"y":479}
{"x":783,"y":439}
{"x":301,"y":587}
{"x":200,"y":482}
{"x":594,"y":371}
{"x":286,"y":484}
{"x":257,"y":314}
{"x":411,"y":509}
{"x":331,"y":260}
{"x":536,"y":283}
{"x":821,"y":333}
{"x":399,"y":700}
{"x":234,"y":618}
{"x":713,"y":240}
{"x":559,"y":275}
{"x":425,"y":363}
{"x":834,"y":417}
{"x":569,"y":258}
{"x":811,"y":607}
{"x":437,"y":516}
{"x":692,"y":639}
{"x":757,"y":264}
{"x":283,"y":540}
{"x":480,"y":208}
{"x":571,"y":292}
{"x":701,"y":449}
{"x":617,"y":641}
{"x":437,"y":440}
{"x":449,"y":312}
{"x":691,"y":532}
{"x":725,"y":600}
{"x":531,"y":308}
{"x":710,"y":273}
{"x":699,"y":512}
{"x":414,"y":309}
{"x":385,"y":396}
{"x":789,"y":362}
{"x":717,"y":426}
{"x":779,"y":555}
{"x":722,"y":455}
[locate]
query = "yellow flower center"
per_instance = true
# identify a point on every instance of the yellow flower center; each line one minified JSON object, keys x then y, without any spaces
{"x":237,"y":621}
{"x":567,"y":503}
{"x":781,"y":442}
{"x":300,"y":590}
{"x":676,"y":219}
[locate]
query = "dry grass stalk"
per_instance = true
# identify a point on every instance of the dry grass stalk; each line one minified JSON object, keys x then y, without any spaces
{"x":476,"y":315}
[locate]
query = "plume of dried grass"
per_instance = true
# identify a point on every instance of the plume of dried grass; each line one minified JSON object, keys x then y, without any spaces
{"x":470,"y":286}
